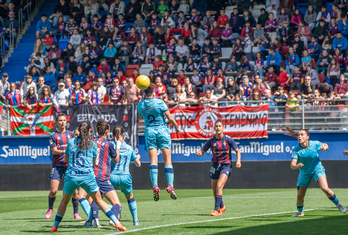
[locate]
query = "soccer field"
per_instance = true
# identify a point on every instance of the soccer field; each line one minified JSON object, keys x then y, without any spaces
{"x":249,"y":211}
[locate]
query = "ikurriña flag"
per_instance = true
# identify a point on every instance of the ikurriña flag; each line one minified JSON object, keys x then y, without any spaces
{"x":36,"y":121}
{"x":240,"y":122}
{"x":1,"y":107}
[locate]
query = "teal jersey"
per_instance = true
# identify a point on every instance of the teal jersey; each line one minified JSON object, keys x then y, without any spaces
{"x":80,"y":160}
{"x":127,"y":155}
{"x":309,"y":157}
{"x":152,"y":110}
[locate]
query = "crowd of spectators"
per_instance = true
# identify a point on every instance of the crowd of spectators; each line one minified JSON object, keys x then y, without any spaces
{"x":278,"y":57}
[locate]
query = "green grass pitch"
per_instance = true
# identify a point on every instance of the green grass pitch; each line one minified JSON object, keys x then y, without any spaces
{"x":249,"y":211}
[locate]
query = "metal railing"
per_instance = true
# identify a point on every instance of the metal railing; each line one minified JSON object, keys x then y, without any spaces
{"x":313,"y":114}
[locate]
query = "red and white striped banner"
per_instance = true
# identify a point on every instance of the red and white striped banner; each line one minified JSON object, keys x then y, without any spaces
{"x":240,"y":122}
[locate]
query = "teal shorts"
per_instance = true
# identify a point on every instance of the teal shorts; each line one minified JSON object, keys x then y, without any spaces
{"x":157,"y":138}
{"x":87,"y":182}
{"x":124,"y":182}
{"x":305,"y":179}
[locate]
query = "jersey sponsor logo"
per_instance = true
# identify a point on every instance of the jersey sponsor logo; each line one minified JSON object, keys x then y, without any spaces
{"x":24,"y":151}
{"x":205,"y":120}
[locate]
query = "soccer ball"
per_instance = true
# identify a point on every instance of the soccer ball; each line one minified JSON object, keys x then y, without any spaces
{"x":142,"y":82}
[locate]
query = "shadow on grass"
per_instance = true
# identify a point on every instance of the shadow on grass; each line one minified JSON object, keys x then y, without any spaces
{"x":328,"y":225}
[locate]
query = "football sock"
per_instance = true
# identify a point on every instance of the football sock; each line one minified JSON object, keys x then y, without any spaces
{"x":218,"y":200}
{"x":153,"y":174}
{"x":132,"y":205}
{"x":95,"y":210}
{"x":57,"y":220}
{"x":300,"y":208}
{"x":169,"y":174}
{"x":222,"y":203}
{"x":51,"y":202}
{"x":111,"y":215}
{"x":116,"y":209}
{"x":75,"y":203}
{"x":85,"y":205}
{"x":334,"y":199}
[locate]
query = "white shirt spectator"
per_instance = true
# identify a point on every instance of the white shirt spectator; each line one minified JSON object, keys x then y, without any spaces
{"x":182,"y":49}
{"x":157,"y":52}
{"x":169,"y":21}
{"x":4,"y":87}
{"x":101,"y":93}
{"x":61,"y":97}
{"x":25,"y":87}
{"x":75,"y":39}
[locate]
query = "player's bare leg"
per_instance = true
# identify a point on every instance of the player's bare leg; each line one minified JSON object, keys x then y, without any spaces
{"x":154,"y":172}
{"x":168,"y":167}
{"x":301,"y":192}
{"x":54,"y":185}
{"x":218,"y":186}
{"x":324,"y":186}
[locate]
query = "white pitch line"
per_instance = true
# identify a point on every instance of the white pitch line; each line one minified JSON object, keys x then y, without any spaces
{"x":205,"y":221}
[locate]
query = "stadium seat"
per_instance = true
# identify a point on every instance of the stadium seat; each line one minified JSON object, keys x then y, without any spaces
{"x":295,"y":91}
{"x":228,"y":12}
{"x":313,"y":63}
{"x":303,"y":8}
{"x":255,"y":49}
{"x":144,"y":71}
{"x":148,"y":66}
{"x":226,"y":53}
{"x":130,"y":68}
{"x":223,"y":65}
{"x":321,"y":77}
{"x":285,"y":50}
{"x":201,"y":94}
{"x":259,"y":7}
{"x":329,"y":6}
{"x":106,"y":99}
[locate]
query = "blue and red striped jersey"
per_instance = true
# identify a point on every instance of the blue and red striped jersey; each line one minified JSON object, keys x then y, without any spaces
{"x":94,"y":96}
{"x":46,"y":100}
{"x":78,"y":95}
{"x":221,"y":149}
{"x":106,"y":151}
{"x":60,"y":140}
{"x":116,"y":93}
{"x":14,"y":99}
{"x":32,"y":99}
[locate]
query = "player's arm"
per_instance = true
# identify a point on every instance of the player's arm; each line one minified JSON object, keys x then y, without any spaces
{"x":66,"y":158}
{"x":204,"y":149}
{"x":137,"y":161}
{"x":200,"y":153}
{"x":55,"y":151}
{"x":294,"y":165}
{"x":345,"y":152}
{"x":172,"y":121}
{"x":239,"y":158}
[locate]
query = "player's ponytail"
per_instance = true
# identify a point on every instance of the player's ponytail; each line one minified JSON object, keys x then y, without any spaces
{"x":293,"y":133}
{"x":102,"y":126}
{"x":117,"y":132}
{"x":84,"y":139}
{"x":149,"y":91}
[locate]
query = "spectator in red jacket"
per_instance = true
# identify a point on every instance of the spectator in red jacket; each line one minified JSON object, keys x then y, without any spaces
{"x":185,"y":32}
{"x":284,"y":77}
{"x":215,"y":31}
{"x":223,"y":19}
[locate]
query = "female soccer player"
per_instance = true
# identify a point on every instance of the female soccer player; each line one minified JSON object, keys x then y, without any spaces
{"x":120,"y":176}
{"x":157,"y":137}
{"x":102,"y":170}
{"x":221,"y":167}
{"x":305,"y":157}
{"x":58,"y":141}
{"x":81,"y":155}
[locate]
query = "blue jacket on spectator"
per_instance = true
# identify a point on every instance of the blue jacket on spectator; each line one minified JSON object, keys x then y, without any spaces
{"x":250,"y":18}
{"x":343,"y":28}
{"x":235,"y":27}
{"x":341,"y":44}
{"x":42,"y":25}
{"x":50,"y":79}
{"x":201,"y":6}
{"x":296,"y":62}
{"x":109,"y":52}
{"x":80,"y":78}
{"x":277,"y":58}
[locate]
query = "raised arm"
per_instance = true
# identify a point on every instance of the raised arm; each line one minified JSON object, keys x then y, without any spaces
{"x":137,"y":161}
{"x":324,"y":147}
